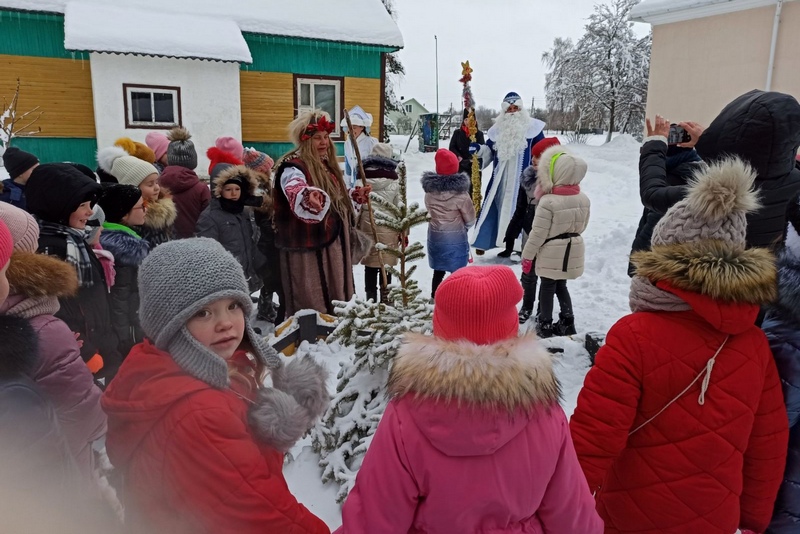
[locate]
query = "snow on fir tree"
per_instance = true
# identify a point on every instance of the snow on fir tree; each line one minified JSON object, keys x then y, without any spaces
{"x":375,"y":331}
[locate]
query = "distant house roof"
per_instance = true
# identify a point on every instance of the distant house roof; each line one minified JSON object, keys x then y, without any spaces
{"x":351,"y":21}
{"x":108,"y":28}
{"x":666,"y":11}
{"x":415,"y":101}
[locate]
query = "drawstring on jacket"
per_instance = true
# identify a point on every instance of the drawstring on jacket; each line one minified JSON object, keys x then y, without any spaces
{"x":701,"y":400}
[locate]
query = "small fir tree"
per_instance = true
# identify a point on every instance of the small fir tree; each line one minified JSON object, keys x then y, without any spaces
{"x":374,"y":330}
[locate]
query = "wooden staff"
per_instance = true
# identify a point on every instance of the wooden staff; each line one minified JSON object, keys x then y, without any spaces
{"x":384,"y":280}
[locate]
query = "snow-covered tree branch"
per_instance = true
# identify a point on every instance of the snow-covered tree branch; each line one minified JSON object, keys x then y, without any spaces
{"x":14,"y":123}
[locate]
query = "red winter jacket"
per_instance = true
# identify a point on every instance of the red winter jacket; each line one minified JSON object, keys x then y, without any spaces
{"x":709,"y":468}
{"x":189,"y":461}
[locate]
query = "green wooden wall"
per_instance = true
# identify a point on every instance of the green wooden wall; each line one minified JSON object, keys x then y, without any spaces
{"x":34,"y":34}
{"x":58,"y":149}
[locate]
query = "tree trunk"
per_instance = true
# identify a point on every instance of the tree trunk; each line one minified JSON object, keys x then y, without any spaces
{"x":612,"y":117}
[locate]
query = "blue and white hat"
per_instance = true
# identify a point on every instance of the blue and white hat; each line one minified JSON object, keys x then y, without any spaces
{"x":510,"y":99}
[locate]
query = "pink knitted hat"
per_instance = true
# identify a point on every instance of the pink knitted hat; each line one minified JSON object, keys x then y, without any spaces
{"x":158,"y":142}
{"x":231,"y":146}
{"x":258,"y":161}
{"x":23,"y":227}
{"x":478,"y":304}
{"x":6,"y":245}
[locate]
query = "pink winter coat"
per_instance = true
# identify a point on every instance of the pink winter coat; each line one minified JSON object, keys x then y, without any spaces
{"x":61,"y":374}
{"x":473,"y":441}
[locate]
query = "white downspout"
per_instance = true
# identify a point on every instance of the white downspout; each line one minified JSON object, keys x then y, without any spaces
{"x":774,"y":43}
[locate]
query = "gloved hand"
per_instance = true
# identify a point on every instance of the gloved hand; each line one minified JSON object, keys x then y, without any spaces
{"x":473,"y":148}
{"x":527,"y":265}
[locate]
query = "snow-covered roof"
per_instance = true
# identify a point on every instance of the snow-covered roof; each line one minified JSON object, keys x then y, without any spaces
{"x":353,"y":21}
{"x":108,"y":28}
{"x":666,"y":11}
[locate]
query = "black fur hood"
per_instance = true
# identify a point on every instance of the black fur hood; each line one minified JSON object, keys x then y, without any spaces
{"x":19,"y":350}
{"x":445,"y":183}
{"x":528,"y":180}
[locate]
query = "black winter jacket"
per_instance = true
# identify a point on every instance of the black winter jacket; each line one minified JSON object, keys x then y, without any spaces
{"x":762,"y":128}
{"x":459,"y":145}
{"x":662,"y":183}
{"x":88,"y":313}
{"x":129,"y":253}
{"x":782,"y":327}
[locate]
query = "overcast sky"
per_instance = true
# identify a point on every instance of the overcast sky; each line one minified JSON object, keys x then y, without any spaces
{"x":502,"y":39}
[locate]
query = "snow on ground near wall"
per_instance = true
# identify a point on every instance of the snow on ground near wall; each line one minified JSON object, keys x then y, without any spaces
{"x":353,"y":21}
{"x":600,"y":296}
{"x":107,"y":28}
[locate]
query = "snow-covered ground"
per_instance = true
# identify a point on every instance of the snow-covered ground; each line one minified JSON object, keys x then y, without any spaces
{"x":600,"y":296}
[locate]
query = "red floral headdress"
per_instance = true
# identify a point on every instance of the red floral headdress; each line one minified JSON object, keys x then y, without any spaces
{"x":321,"y":125}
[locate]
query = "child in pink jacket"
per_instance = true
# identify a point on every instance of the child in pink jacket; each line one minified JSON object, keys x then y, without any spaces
{"x":474,"y":439}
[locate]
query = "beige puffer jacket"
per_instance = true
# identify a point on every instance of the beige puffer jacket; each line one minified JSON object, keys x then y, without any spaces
{"x":565,"y":215}
{"x":381,"y":175}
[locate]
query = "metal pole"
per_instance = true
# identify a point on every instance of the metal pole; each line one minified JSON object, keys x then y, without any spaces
{"x":435,"y":38}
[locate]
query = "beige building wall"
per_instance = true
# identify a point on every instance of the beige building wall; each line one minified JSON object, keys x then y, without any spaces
{"x":698,"y":66}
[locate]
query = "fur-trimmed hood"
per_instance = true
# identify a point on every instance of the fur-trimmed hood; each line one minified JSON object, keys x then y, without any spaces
{"x":714,"y":268}
{"x":788,"y":301}
{"x":471,"y":400}
{"x":160,"y":214}
{"x":514,"y":374}
{"x":445,"y":183}
{"x":569,"y":169}
{"x":38,"y":275}
{"x":19,"y":350}
{"x":128,"y":251}
{"x":248,"y":176}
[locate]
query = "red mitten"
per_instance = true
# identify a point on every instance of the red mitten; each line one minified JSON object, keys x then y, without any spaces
{"x":526,"y":266}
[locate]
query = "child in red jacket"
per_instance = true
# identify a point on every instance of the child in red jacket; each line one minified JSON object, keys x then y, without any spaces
{"x":198,"y":438}
{"x":680,"y":426}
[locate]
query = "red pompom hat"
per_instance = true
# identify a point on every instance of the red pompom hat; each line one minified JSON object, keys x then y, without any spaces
{"x":538,"y":149}
{"x":446,"y":162}
{"x":6,"y":245}
{"x":478,"y":304}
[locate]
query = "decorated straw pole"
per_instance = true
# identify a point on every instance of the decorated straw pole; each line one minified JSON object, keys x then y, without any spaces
{"x":374,"y":228}
{"x":472,"y":127}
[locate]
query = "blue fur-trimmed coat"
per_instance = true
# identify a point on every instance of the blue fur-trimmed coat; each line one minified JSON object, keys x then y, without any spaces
{"x":129,"y":252}
{"x":782,"y":326}
{"x":451,"y":214}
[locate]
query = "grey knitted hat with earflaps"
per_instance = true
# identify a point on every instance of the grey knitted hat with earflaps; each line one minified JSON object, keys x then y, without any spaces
{"x":176,"y":280}
{"x":717,"y":201}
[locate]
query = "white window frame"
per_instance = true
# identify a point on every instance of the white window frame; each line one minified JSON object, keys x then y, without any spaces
{"x":176,"y":106}
{"x":337,"y":83}
{"x":408,"y":108}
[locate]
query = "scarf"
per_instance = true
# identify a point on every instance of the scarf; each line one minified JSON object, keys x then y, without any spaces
{"x":645,"y":296}
{"x":77,"y":249}
{"x":563,"y":190}
{"x":107,"y":261}
{"x":232,"y":206}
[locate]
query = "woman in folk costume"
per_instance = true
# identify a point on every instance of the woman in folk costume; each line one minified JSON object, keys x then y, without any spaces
{"x":680,"y":426}
{"x":314,"y":218}
{"x":508,"y":147}
{"x":361,"y":121}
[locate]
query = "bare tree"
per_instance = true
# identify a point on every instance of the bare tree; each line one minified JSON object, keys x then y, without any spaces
{"x":394,"y":71}
{"x":485,"y":117}
{"x":603,"y":78}
{"x":15,"y":124}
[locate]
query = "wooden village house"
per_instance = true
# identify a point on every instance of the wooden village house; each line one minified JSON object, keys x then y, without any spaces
{"x":102,"y":69}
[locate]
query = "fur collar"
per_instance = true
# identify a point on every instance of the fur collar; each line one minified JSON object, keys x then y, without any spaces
{"x":160,"y":214}
{"x":713,"y":268}
{"x":445,"y":183}
{"x":19,"y":350}
{"x":249,"y":176}
{"x":379,"y":162}
{"x":528,"y":180}
{"x":516,"y":373}
{"x":39,"y":275}
{"x":128,"y":251}
{"x":789,"y":285}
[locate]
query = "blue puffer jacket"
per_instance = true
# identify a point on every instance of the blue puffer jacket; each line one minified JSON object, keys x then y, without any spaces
{"x":782,"y":327}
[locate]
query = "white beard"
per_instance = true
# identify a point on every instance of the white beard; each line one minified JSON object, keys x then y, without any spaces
{"x":512,"y":129}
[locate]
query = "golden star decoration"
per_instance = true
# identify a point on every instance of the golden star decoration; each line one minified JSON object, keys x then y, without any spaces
{"x":466,"y":70}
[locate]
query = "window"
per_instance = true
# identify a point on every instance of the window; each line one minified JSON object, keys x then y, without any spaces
{"x":322,"y":93}
{"x":152,"y":106}
{"x":408,"y":108}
